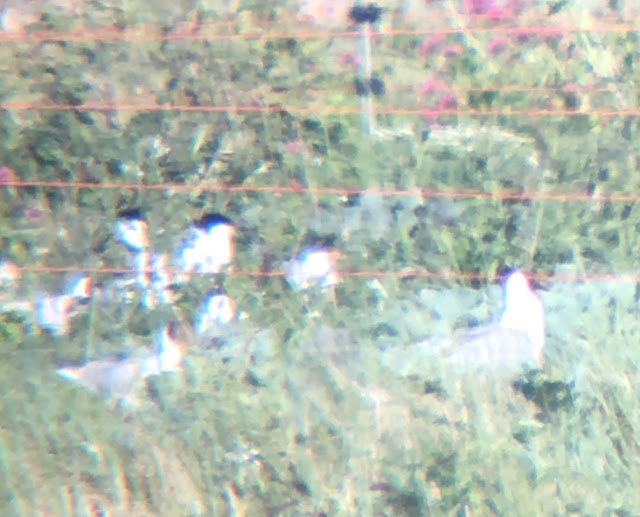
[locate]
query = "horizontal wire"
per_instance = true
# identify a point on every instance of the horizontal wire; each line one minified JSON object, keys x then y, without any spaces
{"x":434,"y":86}
{"x":405,"y":274}
{"x":329,"y":110}
{"x":135,"y":35}
{"x":128,"y":34}
{"x":436,"y":16}
{"x":340,"y":191}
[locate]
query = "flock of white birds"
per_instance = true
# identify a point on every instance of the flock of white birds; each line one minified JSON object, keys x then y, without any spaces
{"x":514,"y":340}
{"x":207,"y":249}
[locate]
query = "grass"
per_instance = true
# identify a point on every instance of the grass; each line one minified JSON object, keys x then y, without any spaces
{"x":314,"y":404}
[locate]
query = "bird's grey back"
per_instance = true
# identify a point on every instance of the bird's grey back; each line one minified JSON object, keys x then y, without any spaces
{"x":116,"y":379}
{"x":493,"y":348}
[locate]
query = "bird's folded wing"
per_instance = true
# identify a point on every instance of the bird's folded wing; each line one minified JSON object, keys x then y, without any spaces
{"x":118,"y":378}
{"x":492,"y":348}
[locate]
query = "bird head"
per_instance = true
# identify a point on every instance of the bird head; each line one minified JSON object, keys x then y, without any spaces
{"x":523,"y":310}
{"x":132,"y":230}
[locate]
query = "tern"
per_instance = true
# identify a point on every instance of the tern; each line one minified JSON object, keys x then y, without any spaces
{"x":208,"y":248}
{"x":314,"y":266}
{"x":120,"y":378}
{"x":515,"y":340}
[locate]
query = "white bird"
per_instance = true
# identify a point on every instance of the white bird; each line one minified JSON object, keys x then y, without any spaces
{"x":9,"y":272}
{"x":209,"y":246}
{"x":515,"y":340}
{"x":116,"y":379}
{"x":152,"y":274}
{"x":218,"y":310}
{"x":53,"y":312}
{"x":120,"y":378}
{"x":132,"y":230}
{"x":80,"y":287}
{"x":168,"y":352}
{"x":313,"y":266}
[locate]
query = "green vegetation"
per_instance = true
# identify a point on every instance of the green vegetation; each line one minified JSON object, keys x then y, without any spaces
{"x":312,"y":403}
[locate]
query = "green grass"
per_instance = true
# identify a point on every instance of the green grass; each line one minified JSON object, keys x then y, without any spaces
{"x":315,"y":404}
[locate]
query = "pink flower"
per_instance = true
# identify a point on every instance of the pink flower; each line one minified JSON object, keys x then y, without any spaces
{"x":497,"y":45}
{"x":499,"y":13}
{"x":33,"y":215}
{"x":493,"y":9}
{"x":522,"y":33}
{"x":294,"y":147}
{"x":479,"y":6}
{"x":434,"y":85}
{"x":448,"y":102}
{"x":323,"y":12}
{"x":429,"y":44}
{"x":430,"y":114}
{"x":572,"y":88}
{"x":7,"y":175}
{"x":348,"y":58}
{"x":452,"y":50}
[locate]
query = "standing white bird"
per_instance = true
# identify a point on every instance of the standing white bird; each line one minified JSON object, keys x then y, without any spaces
{"x":151,"y":269}
{"x":53,"y":312}
{"x":208,"y":248}
{"x":515,"y":340}
{"x":218,"y":310}
{"x":10,"y":276}
{"x":314,"y":266}
{"x":9,"y":272}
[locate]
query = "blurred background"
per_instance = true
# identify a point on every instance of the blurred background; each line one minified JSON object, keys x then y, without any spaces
{"x":434,"y":144}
